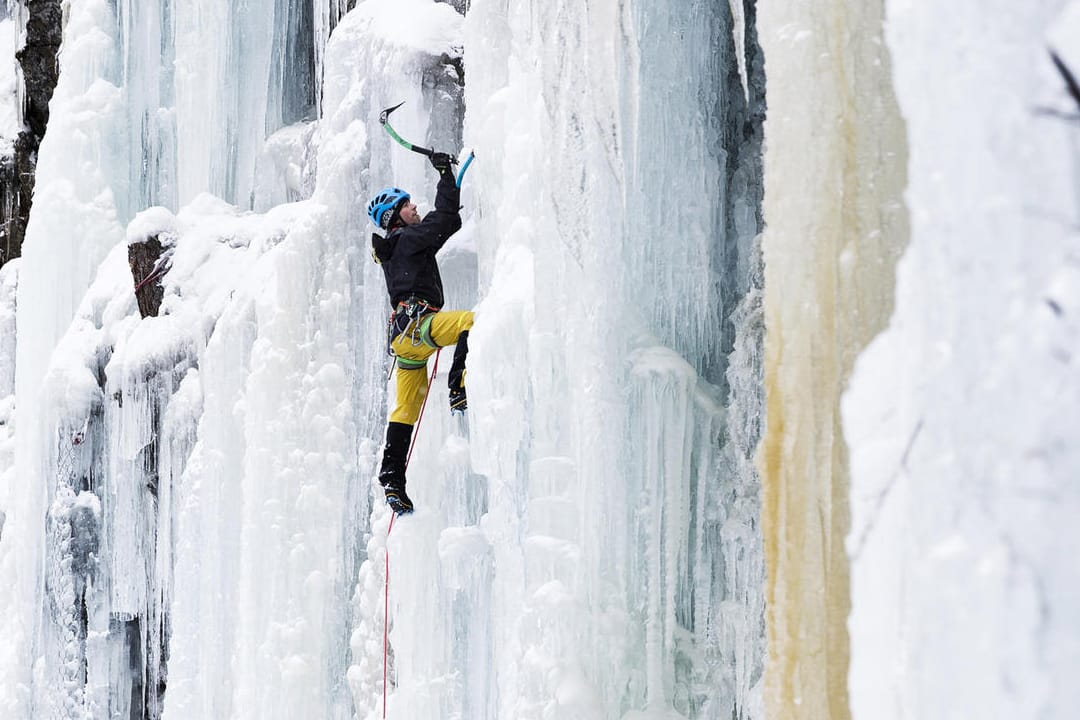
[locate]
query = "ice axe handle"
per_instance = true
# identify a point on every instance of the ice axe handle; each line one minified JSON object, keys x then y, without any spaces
{"x":464,"y":166}
{"x":384,"y":120}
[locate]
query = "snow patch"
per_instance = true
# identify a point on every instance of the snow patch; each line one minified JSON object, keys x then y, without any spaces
{"x":10,"y":124}
{"x":152,"y":222}
{"x":411,"y":24}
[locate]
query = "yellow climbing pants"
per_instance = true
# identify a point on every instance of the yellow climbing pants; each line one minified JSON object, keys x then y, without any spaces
{"x":413,"y":348}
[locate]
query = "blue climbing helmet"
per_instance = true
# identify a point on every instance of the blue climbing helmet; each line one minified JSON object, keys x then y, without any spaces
{"x":382,"y":206}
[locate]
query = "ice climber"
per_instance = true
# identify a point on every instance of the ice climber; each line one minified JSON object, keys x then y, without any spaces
{"x":418,"y":327}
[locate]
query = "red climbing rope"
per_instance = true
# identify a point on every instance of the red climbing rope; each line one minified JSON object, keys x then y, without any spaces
{"x":386,"y":589}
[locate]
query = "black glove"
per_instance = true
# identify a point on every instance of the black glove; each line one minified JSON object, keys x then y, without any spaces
{"x":441,"y":162}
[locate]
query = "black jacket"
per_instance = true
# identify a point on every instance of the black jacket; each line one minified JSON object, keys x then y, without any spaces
{"x":407,"y":254}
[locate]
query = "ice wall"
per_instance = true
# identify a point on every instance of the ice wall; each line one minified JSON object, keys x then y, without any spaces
{"x":587,"y":544}
{"x":113,"y":405}
{"x":619,"y":559}
{"x":10,"y":126}
{"x":9,"y":275}
{"x":74,"y":226}
{"x":200,"y":540}
{"x":835,"y":170}
{"x":962,"y":417}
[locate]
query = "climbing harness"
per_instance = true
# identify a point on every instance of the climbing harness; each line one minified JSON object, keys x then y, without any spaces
{"x":412,"y":318}
{"x":386,"y":589}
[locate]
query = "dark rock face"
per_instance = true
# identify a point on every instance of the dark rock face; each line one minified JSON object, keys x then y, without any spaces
{"x":38,"y":59}
{"x":12,"y":221}
{"x":149,"y":263}
{"x":85,"y":540}
{"x":44,"y":30}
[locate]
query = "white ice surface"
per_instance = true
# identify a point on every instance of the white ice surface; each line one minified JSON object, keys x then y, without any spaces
{"x":10,"y":125}
{"x":962,"y":417}
{"x":586,"y":545}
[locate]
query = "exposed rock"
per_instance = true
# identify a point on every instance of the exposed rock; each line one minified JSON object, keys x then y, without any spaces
{"x":149,"y":262}
{"x":44,"y":31}
{"x":85,"y":538}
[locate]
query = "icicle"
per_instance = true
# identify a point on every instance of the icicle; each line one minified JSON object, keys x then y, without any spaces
{"x":738,"y":36}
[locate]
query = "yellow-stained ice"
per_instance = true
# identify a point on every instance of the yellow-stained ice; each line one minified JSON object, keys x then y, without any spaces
{"x":835,"y":171}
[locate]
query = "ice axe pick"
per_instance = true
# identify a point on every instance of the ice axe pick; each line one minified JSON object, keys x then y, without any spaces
{"x":384,"y":120}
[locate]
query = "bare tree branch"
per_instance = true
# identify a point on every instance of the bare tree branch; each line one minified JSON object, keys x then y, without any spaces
{"x":1070,"y":79}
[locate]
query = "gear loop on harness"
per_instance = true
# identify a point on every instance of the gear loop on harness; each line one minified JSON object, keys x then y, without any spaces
{"x":411,"y":317}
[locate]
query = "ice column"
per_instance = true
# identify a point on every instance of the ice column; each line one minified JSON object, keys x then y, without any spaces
{"x":962,"y":415}
{"x":115,"y":508}
{"x":617,"y":254}
{"x":73,"y":224}
{"x":374,"y":62}
{"x":834,"y":173}
{"x":148,"y":133}
{"x":9,"y":275}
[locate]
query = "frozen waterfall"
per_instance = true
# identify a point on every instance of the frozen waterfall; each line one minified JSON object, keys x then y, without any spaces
{"x":204,"y":542}
{"x":771,"y":389}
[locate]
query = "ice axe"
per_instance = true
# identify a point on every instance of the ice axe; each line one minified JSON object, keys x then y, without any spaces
{"x":384,"y":120}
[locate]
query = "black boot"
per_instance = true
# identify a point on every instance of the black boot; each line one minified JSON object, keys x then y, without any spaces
{"x":392,"y":473}
{"x":458,"y":401}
